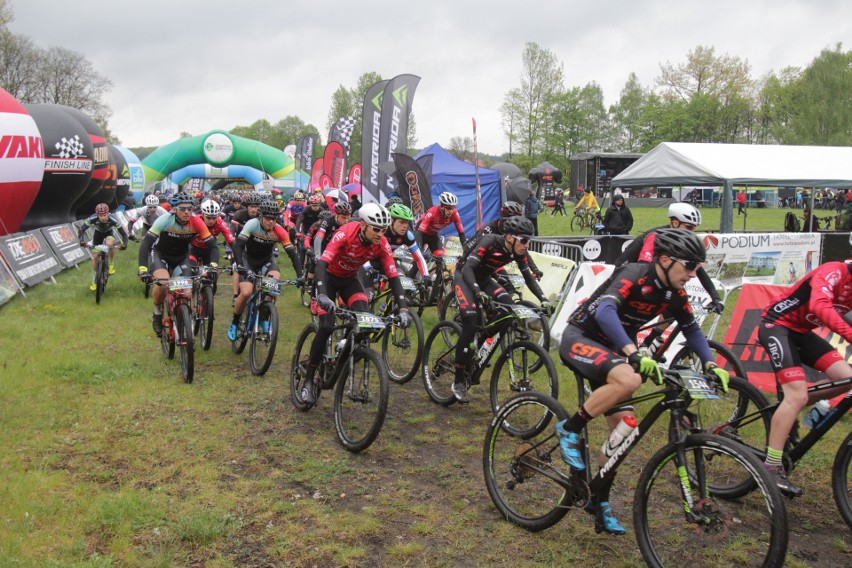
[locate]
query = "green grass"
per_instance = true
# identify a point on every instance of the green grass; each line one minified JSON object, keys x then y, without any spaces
{"x":108,"y":459}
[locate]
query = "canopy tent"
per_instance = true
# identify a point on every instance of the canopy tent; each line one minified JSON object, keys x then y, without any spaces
{"x":448,"y":173}
{"x":680,"y":163}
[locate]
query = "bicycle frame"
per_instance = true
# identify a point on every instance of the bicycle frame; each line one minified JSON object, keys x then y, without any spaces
{"x":353,"y":338}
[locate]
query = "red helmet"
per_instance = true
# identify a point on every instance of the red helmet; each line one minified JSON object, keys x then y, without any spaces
{"x":101,"y":209}
{"x":315,"y":199}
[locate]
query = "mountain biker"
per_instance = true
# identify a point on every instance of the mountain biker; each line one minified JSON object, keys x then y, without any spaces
{"x":475,"y":275}
{"x":143,"y":217}
{"x":428,"y":227}
{"x":165,"y":249}
{"x":105,"y":225}
{"x":599,"y":343}
{"x":588,"y":201}
{"x":821,"y":298}
{"x":211,"y":215}
{"x":253,"y":252}
{"x":509,"y":209}
{"x":351,"y":246}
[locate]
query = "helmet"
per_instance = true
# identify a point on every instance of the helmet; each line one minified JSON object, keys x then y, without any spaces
{"x":298,"y":196}
{"x":342,"y":208}
{"x":252,"y":199}
{"x":685,"y":213}
{"x":680,"y":244}
{"x":518,"y":225}
{"x":101,"y":208}
{"x":511,"y":208}
{"x":198,"y":194}
{"x":269,"y":209}
{"x":374,"y":214}
{"x":393,"y":200}
{"x":400,"y":211}
{"x":448,"y":198}
{"x":209,"y":207}
{"x":324,"y":214}
{"x":161,"y":198}
{"x":237,"y":197}
{"x":179,"y":198}
{"x":151,"y":200}
{"x":315,"y":199}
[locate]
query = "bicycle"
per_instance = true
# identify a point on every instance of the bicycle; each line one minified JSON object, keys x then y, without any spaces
{"x":177,"y":323}
{"x":521,"y":365}
{"x":203,"y":295}
{"x":355,"y":372}
{"x":677,"y":518}
{"x":441,"y":267}
{"x":402,"y":348}
{"x":101,"y":253}
{"x":259,"y":321}
{"x":582,"y":220}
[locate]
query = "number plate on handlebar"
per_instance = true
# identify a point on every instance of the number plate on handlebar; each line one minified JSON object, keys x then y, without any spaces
{"x":523,"y":312}
{"x":367,"y":320}
{"x":100,"y":248}
{"x":271,"y":286}
{"x":697,"y":385}
{"x":450,"y":261}
{"x":516,"y":280}
{"x":407,"y":283}
{"x":176,"y":284}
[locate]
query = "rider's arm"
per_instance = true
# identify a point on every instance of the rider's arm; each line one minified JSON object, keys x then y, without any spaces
{"x":459,"y":227}
{"x":532,"y":283}
{"x":145,"y":248}
{"x":469,"y":274}
{"x":389,"y":269}
{"x":320,"y":277}
{"x":226,"y":232}
{"x":284,"y":239}
{"x":606,"y":315}
{"x":821,"y":303}
{"x":704,"y":278}
{"x":416,"y":255}
{"x":237,"y":249}
{"x":318,"y":238}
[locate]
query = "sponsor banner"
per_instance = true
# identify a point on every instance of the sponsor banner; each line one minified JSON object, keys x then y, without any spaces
{"x":305,"y":152}
{"x":62,"y":239}
{"x":586,"y":279}
{"x":370,"y":133}
{"x":8,"y":285}
{"x":414,"y":188}
{"x":556,"y":271}
{"x":341,"y":132}
{"x":334,"y":163}
{"x":355,"y":174}
{"x":316,"y":173}
{"x":325,"y":182}
{"x":29,"y":257}
{"x":393,"y":137}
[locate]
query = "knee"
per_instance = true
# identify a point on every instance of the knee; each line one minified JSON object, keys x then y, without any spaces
{"x":625,"y":379}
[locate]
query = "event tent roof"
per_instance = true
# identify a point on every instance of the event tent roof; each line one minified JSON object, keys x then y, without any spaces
{"x":680,"y":163}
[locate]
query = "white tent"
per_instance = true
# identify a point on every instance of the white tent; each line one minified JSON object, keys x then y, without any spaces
{"x":680,"y":163}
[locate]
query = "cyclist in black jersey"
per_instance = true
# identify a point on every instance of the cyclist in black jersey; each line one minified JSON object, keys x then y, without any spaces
{"x":509,"y":209}
{"x":105,"y":225}
{"x":599,"y":343}
{"x":250,"y":210}
{"x":474,"y":276}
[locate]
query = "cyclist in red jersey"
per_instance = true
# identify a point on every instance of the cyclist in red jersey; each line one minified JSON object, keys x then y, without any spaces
{"x":210,"y":214}
{"x":435,"y":219}
{"x":351,"y":246}
{"x":821,"y":298}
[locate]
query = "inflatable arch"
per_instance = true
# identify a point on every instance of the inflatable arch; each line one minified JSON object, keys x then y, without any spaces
{"x":219,"y":149}
{"x":252,"y":175}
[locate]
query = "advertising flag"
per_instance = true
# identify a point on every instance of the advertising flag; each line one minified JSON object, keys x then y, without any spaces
{"x":305,"y":152}
{"x":334,"y":163}
{"x":396,"y":109}
{"x":355,"y":174}
{"x":414,"y":188}
{"x":370,"y":130}
{"x":341,"y":132}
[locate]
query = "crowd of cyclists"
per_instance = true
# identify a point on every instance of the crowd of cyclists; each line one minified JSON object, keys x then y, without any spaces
{"x":339,"y":246}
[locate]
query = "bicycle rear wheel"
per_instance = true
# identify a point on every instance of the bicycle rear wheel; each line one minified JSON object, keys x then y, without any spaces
{"x":305,"y":292}
{"x":204,"y":317}
{"x":299,"y":365}
{"x":525,"y":476}
{"x":167,"y":340}
{"x":186,"y":341}
{"x":439,"y":362}
{"x":751,"y":531}
{"x":361,"y":400}
{"x":841,"y":480}
{"x":402,"y":349}
{"x":262,"y":347}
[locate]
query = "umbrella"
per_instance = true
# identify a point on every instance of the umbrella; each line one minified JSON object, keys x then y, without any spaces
{"x":352,"y":188}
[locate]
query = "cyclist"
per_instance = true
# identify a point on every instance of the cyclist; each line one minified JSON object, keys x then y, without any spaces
{"x":165,"y":249}
{"x":601,"y":334}
{"x":588,"y":201}
{"x":231,"y":208}
{"x":250,"y":210}
{"x":253,"y":252}
{"x":474,"y":276}
{"x":642,"y":249}
{"x":105,"y":225}
{"x":211,"y":215}
{"x":435,"y":219}
{"x":351,"y":246}
{"x":509,"y":209}
{"x":821,"y":297}
{"x":326,"y":227}
{"x":143,"y":217}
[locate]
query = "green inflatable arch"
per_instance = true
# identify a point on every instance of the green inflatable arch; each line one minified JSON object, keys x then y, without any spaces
{"x":217,"y":148}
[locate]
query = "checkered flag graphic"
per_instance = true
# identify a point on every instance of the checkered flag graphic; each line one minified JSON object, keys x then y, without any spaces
{"x":342,"y":131}
{"x":70,"y":148}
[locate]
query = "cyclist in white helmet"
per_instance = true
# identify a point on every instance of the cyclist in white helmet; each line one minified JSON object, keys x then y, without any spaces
{"x":428,"y":227}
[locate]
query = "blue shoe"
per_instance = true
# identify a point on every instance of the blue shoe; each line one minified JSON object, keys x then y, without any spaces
{"x":232,"y":332}
{"x":264,"y":325}
{"x":569,"y":442}
{"x":605,"y":520}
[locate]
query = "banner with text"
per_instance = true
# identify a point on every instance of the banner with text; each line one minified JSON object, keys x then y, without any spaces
{"x":29,"y":257}
{"x":371,"y":121}
{"x":8,"y":285}
{"x":396,"y":109}
{"x":414,"y":188}
{"x":62,"y":239}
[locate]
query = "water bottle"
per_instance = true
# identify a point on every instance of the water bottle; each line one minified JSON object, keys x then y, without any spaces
{"x":339,"y":346}
{"x":622,"y":431}
{"x":817,"y":413}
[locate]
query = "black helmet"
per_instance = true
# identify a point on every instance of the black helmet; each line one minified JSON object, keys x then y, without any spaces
{"x":325,"y":214}
{"x":392,"y":200}
{"x":518,"y":225}
{"x":511,"y":209}
{"x":680,"y":244}
{"x":269,"y":209}
{"x":252,"y":199}
{"x":342,"y":208}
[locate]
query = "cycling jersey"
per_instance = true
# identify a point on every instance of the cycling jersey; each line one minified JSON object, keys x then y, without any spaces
{"x":588,"y":200}
{"x":172,"y":238}
{"x":347,"y":252}
{"x":307,"y":218}
{"x":218,"y":228}
{"x":256,"y":243}
{"x":102,"y":229}
{"x":407,"y":240}
{"x":143,"y":217}
{"x":319,"y":235}
{"x":491,"y":228}
{"x":434,"y":220}
{"x":240,"y":218}
{"x":490,"y":255}
{"x":292,"y":212}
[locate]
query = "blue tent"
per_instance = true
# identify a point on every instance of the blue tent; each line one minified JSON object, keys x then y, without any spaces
{"x":448,"y":173}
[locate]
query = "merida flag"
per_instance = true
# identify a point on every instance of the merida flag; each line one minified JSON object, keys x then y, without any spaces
{"x":370,"y":131}
{"x":396,"y":109}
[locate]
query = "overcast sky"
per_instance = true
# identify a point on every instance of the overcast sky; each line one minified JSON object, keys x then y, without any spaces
{"x":199,"y":65}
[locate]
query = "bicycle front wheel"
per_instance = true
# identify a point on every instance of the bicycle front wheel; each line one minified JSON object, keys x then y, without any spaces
{"x":264,"y":339}
{"x":674,"y":531}
{"x":402,"y":349}
{"x":204,"y":317}
{"x":243,"y":333}
{"x":523,"y":367}
{"x":299,"y":366}
{"x":576,"y":223}
{"x":101,"y":276}
{"x":841,"y":480}
{"x":361,"y":400}
{"x":439,"y":362}
{"x":186,"y":340}
{"x":525,"y":476}
{"x":167,"y":341}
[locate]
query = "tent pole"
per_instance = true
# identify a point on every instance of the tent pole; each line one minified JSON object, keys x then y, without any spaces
{"x":726,"y":223}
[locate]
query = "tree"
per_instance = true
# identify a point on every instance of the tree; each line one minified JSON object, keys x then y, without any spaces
{"x":511,"y":112}
{"x":775,"y":107}
{"x":342,"y":104}
{"x":823,"y":100}
{"x":279,"y":135}
{"x":541,"y":81}
{"x":461,"y":147}
{"x":7,"y":15}
{"x":627,"y":115}
{"x":19,"y":65}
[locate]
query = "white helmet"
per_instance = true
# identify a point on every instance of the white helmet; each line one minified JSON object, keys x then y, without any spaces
{"x":374,"y":214}
{"x":151,"y":200}
{"x":448,"y":198}
{"x":209,"y":207}
{"x":685,"y":213}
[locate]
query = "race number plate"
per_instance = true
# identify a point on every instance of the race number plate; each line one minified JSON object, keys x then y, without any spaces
{"x":697,"y":385}
{"x":523,"y":312}
{"x":176,"y":284}
{"x":367,"y":320}
{"x":407,"y":283}
{"x":517,"y":281}
{"x":271,"y":286}
{"x":450,"y":262}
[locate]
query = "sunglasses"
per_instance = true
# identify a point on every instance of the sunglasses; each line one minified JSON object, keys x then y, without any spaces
{"x":272,"y":217}
{"x":377,"y":229}
{"x":687,"y":226}
{"x":524,"y":240}
{"x":184,"y":208}
{"x":690,"y":265}
{"x":211,"y":217}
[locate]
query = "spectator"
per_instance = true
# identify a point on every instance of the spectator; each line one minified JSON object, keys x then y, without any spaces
{"x":741,"y":202}
{"x":559,"y":204}
{"x":531,"y":209}
{"x":758,"y":196}
{"x":618,"y":219}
